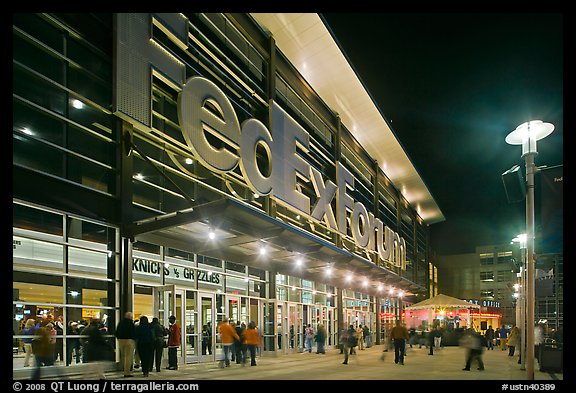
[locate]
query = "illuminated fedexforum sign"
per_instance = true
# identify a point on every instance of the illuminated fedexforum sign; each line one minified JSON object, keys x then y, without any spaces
{"x":203,"y":108}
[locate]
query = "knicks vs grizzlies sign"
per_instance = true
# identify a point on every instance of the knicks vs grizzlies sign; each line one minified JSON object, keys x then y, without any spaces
{"x":203,"y":108}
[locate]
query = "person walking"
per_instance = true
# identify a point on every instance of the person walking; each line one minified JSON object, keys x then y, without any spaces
{"x":43,"y":354}
{"x":160,"y":332}
{"x":126,"y":335}
{"x":430,"y":341}
{"x":239,"y":345}
{"x":173,"y":343}
{"x":513,"y":340}
{"x":145,"y":341}
{"x":29,"y":330}
{"x":399,"y":334}
{"x":309,"y":337}
{"x":227,"y":336}
{"x":489,"y":334}
{"x":320,"y":339}
{"x":474,"y":350}
{"x":437,"y":337}
{"x":252,"y":340}
{"x":97,"y":348}
{"x":348,"y":341}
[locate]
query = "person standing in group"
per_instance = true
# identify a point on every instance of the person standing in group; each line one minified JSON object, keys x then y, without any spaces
{"x":160,"y":332}
{"x":513,"y":340}
{"x":252,"y":341}
{"x":309,"y":337}
{"x":360,"y":337}
{"x":399,"y":334}
{"x":28,"y":330}
{"x":206,"y":340}
{"x":126,"y":334}
{"x":367,"y":336}
{"x":72,"y":343}
{"x":489,"y":334}
{"x":503,"y":334}
{"x":239,"y":345}
{"x":227,"y":336}
{"x":145,"y":341}
{"x":173,"y":343}
{"x":59,"y":344}
{"x":320,"y":339}
{"x":52,"y":341}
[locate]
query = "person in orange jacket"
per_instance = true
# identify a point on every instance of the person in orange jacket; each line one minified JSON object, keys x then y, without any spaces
{"x":227,"y":336}
{"x":252,"y":340}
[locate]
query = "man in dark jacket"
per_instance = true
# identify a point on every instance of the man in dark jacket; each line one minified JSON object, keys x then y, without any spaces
{"x":399,"y":334}
{"x":125,"y":333}
{"x":160,"y":332}
{"x":145,"y":338}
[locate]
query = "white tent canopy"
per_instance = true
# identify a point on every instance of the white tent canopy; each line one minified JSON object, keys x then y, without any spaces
{"x":442,"y":301}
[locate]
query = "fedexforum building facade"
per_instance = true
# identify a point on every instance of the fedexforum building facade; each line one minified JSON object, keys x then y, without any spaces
{"x":209,"y":166}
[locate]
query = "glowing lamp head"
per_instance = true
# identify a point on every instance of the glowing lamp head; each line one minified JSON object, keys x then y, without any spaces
{"x":526,"y":134}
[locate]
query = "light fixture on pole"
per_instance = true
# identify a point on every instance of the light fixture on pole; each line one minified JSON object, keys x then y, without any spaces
{"x":527,"y":134}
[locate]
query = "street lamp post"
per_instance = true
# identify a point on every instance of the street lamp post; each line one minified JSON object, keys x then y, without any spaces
{"x":521,"y":299}
{"x":527,"y":134}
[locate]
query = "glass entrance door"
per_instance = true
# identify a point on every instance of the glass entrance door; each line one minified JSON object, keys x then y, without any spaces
{"x":163,"y":304}
{"x":295,"y":337}
{"x":207,"y":327}
{"x":167,"y":301}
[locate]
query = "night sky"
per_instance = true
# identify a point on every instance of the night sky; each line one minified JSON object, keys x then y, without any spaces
{"x":452,"y":86}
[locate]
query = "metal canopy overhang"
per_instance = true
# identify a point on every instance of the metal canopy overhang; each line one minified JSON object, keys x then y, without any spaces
{"x":241,"y":230}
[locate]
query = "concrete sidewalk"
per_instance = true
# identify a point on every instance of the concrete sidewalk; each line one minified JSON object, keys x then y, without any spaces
{"x":445,"y":364}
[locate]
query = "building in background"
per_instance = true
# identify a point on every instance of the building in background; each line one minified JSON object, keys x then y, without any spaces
{"x":486,"y":278}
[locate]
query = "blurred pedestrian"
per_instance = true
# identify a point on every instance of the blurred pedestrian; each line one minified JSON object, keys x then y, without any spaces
{"x":437,"y":337}
{"x":472,"y":343}
{"x":98,"y":350}
{"x":309,"y":337}
{"x":43,"y":354}
{"x":126,"y":335}
{"x":320,"y":339}
{"x":227,"y":336}
{"x":430,"y":342}
{"x":367,"y":336}
{"x":348,"y":341}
